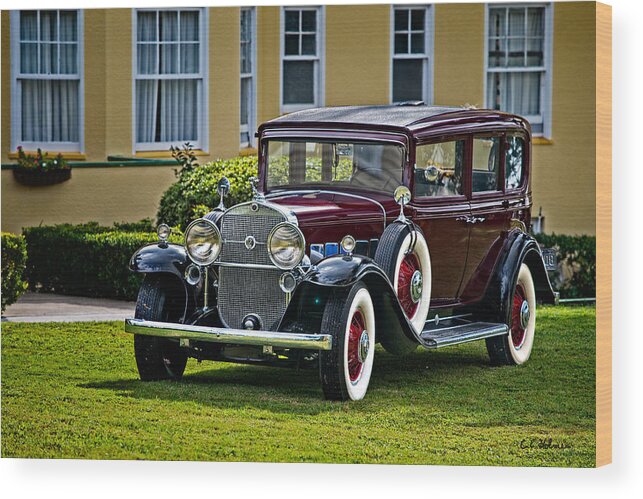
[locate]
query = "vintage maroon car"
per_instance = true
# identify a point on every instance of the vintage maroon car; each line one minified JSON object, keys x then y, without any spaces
{"x":401,"y":225}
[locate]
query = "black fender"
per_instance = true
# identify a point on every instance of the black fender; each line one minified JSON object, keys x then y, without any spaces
{"x":519,"y":247}
{"x":305,"y":310}
{"x":167,"y":258}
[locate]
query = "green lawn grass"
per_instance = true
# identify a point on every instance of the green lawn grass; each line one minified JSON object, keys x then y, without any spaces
{"x":72,"y":391}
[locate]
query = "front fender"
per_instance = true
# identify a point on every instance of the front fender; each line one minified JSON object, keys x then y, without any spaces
{"x":162,"y":257}
{"x":305,"y":310}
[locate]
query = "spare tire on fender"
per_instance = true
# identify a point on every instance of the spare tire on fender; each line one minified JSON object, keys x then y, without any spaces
{"x":404,"y":256}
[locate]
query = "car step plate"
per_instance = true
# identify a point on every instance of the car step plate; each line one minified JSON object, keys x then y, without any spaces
{"x":437,"y":337}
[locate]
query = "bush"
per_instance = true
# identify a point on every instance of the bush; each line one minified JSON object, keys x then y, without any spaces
{"x":195,"y":192}
{"x":14,"y":258}
{"x":576,"y":274}
{"x":86,"y":260}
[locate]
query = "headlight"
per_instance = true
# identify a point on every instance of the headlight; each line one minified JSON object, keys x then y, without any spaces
{"x":203,"y":241}
{"x":286,"y":246}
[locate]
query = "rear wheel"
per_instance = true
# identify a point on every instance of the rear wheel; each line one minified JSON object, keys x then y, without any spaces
{"x":157,"y":358}
{"x":345,"y":371}
{"x":515,"y":348}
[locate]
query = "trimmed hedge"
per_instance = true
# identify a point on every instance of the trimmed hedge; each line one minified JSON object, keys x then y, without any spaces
{"x":576,"y":274}
{"x":86,"y":260}
{"x":14,"y":258}
{"x":195,"y":192}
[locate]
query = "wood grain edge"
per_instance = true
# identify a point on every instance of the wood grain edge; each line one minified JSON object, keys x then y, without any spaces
{"x":603,"y":234}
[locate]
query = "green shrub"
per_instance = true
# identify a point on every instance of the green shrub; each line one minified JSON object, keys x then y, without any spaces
{"x":195,"y":192}
{"x":576,"y":274}
{"x":14,"y":258}
{"x":86,"y":260}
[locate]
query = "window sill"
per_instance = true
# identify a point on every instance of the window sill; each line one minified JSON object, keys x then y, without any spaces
{"x":69,"y":156}
{"x":542,"y":141}
{"x":165,"y":154}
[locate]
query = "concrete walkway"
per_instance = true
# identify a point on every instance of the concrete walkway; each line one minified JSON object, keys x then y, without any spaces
{"x":44,"y":307}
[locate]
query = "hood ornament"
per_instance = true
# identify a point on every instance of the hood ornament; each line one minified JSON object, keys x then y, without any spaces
{"x":223,"y":188}
{"x":254,"y":184}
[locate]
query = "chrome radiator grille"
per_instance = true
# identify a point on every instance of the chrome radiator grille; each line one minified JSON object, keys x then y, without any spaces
{"x":244,"y":290}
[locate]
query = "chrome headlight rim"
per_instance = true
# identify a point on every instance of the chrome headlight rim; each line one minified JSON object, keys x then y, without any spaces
{"x":217,"y":232}
{"x":300,"y":236}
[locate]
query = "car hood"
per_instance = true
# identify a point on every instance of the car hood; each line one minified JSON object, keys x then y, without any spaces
{"x":314,"y":208}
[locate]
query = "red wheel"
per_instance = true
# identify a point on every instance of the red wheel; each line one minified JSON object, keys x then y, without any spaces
{"x":519,"y":312}
{"x":357,"y":346}
{"x":410,"y":275}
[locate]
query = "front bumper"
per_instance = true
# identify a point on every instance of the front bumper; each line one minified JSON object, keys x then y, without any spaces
{"x":232,"y":336}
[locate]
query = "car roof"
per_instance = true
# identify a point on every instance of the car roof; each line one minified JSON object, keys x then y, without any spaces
{"x":406,"y":116}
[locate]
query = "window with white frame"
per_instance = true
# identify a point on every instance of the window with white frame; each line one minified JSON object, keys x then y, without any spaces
{"x":302,"y":46}
{"x":169,"y":69}
{"x":247,"y":65}
{"x":518,"y":62}
{"x":410,"y":78}
{"x":47,"y":79}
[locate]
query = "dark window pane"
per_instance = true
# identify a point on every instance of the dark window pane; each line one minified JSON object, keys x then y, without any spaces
{"x":190,"y":26}
{"x":299,"y":82}
{"x":536,"y":22}
{"x":517,"y":22}
{"x":28,"y":25}
{"x":497,"y":22}
{"x":401,"y":19}
{"x":245,"y":100}
{"x":417,"y":43}
{"x":146,"y":26}
{"x":292,"y":20}
{"x":407,"y":79}
{"x":48,"y":25}
{"x":417,"y":20}
{"x":486,"y":162}
{"x":292,"y":45}
{"x":514,"y":162}
{"x":308,"y":45}
{"x":68,"y":26}
{"x":48,"y":58}
{"x":68,"y":58}
{"x":309,"y":20}
{"x":147,"y":58}
{"x":28,"y":57}
{"x":169,"y":26}
{"x":169,"y":59}
{"x":535,"y":52}
{"x":516,"y":52}
{"x":401,"y":44}
{"x":189,"y":58}
{"x":497,"y":48}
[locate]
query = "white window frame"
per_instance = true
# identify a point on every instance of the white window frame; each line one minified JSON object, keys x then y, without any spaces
{"x":427,"y":56}
{"x":252,"y":76}
{"x":545,"y":82}
{"x":202,"y":119}
{"x":319,"y":58}
{"x":16,"y":89}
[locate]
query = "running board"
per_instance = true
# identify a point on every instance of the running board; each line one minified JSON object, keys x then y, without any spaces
{"x":438,"y":337}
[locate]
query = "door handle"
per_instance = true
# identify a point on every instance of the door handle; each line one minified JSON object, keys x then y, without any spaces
{"x":470,"y":220}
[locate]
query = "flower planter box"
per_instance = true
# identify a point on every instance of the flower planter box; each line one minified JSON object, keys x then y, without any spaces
{"x":41,"y":177}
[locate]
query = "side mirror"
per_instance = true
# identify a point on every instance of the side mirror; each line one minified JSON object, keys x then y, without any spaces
{"x":223,"y":188}
{"x":432,"y":174}
{"x":402,"y":196}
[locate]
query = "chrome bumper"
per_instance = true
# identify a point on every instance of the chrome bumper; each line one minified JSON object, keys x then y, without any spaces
{"x":233,"y":336}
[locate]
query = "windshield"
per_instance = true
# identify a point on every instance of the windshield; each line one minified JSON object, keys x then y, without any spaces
{"x":333,"y":164}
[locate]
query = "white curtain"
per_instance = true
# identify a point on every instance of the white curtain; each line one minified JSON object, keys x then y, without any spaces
{"x":167,"y":109}
{"x":50,"y":107}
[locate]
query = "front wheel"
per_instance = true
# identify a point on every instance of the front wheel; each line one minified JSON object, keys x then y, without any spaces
{"x":157,"y":358}
{"x":345,"y":370}
{"x":515,"y":348}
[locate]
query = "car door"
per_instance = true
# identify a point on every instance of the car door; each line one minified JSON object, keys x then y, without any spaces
{"x":489,"y":215}
{"x":440,"y":208}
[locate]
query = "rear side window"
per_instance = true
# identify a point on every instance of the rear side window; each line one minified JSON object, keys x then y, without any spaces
{"x":514,"y":158}
{"x":486,"y":164}
{"x":439,"y":169}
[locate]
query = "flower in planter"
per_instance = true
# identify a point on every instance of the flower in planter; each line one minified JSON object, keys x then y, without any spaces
{"x":41,"y":161}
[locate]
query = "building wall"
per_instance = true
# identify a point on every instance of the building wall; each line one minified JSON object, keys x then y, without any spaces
{"x":357,"y":71}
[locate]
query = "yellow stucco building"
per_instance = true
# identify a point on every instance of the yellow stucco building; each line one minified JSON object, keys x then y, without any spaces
{"x":105,"y":85}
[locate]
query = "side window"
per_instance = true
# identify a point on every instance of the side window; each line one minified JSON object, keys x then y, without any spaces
{"x":438,"y":170}
{"x":486,"y":164}
{"x":513,"y":162}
